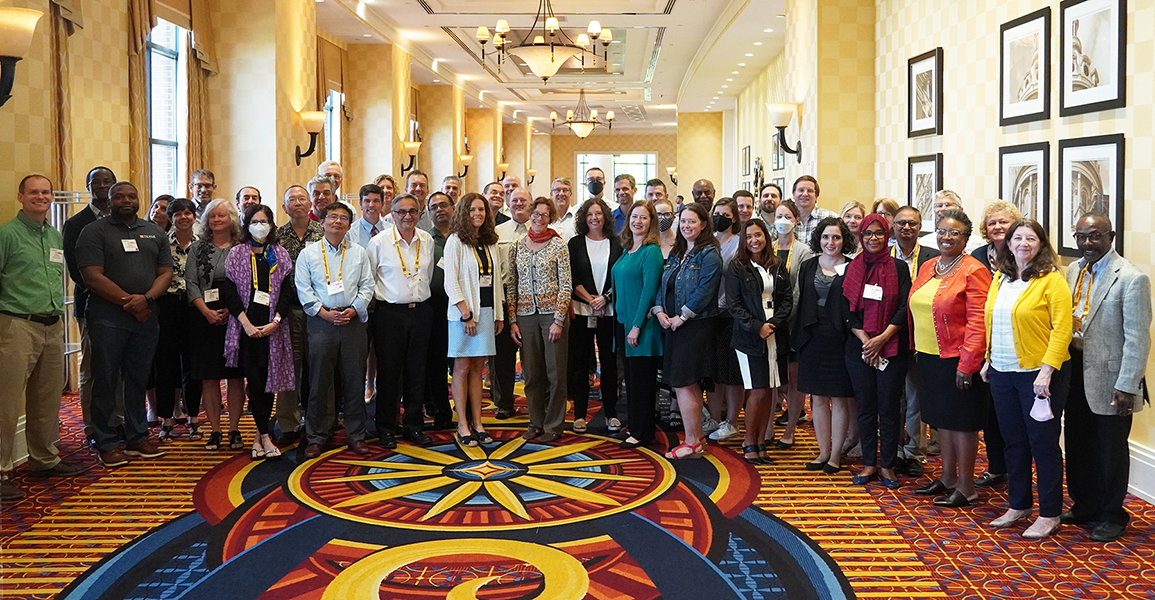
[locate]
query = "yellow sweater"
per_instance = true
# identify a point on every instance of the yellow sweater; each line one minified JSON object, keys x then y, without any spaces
{"x":1041,"y":321}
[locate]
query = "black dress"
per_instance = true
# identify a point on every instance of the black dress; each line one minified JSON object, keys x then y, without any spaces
{"x":207,"y":340}
{"x":820,"y":334}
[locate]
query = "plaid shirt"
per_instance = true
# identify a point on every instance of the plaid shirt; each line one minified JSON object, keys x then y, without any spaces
{"x":805,"y":227}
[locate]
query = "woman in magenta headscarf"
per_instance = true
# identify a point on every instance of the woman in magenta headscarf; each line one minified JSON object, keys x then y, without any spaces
{"x":876,"y":287}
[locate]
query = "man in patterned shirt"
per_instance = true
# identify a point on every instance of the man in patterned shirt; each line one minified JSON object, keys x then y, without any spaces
{"x":805,"y":193}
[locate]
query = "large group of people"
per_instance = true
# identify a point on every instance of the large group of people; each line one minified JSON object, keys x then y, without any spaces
{"x":738,"y":305}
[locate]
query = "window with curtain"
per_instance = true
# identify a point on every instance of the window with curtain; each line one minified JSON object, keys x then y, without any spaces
{"x":168,"y":107}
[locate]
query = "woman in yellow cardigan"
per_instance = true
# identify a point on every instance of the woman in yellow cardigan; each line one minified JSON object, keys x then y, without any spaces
{"x":1028,"y":319}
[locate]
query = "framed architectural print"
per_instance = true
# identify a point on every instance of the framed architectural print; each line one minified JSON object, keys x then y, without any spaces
{"x":1090,"y":180}
{"x":924,"y":178}
{"x":1025,"y":68}
{"x":924,"y":94}
{"x":781,"y":183}
{"x":1024,"y":179}
{"x":745,"y":161}
{"x":1093,"y":56}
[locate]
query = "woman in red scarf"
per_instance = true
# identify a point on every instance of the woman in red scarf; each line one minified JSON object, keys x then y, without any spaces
{"x":877,"y":286}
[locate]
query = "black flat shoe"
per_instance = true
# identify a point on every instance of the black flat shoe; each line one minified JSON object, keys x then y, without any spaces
{"x":751,"y":449}
{"x":830,"y":469}
{"x":780,"y":445}
{"x":1069,"y":518}
{"x":626,"y":444}
{"x":987,"y":480}
{"x":955,"y":499}
{"x":1107,"y":531}
{"x":815,"y":466}
{"x":934,"y":488}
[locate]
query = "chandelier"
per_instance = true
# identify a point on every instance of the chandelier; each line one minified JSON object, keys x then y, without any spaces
{"x":583,"y":120}
{"x":543,"y":57}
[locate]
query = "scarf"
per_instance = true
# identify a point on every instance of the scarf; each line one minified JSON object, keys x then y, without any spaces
{"x":267,"y":252}
{"x":875,"y":268}
{"x":541,"y":238}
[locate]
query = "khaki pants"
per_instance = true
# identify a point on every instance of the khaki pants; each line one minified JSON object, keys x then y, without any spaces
{"x":544,"y":366}
{"x":33,"y":357}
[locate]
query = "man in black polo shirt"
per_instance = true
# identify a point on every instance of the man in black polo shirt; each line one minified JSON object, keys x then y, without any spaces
{"x":126,"y":264}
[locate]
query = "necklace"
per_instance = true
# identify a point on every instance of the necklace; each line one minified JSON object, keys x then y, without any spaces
{"x":940,"y":270}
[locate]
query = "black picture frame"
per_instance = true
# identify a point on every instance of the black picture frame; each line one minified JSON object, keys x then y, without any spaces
{"x":1025,"y":68}
{"x":923,"y":179}
{"x":1091,"y":177}
{"x":924,"y":94}
{"x":777,"y":155}
{"x":1093,"y":76}
{"x":745,"y":161}
{"x":1025,"y":179}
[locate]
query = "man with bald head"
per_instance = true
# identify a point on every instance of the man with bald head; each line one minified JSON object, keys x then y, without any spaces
{"x":127,"y":265}
{"x":1109,"y":349}
{"x":703,"y":192}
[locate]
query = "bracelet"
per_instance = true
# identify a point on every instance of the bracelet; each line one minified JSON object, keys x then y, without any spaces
{"x":467,"y":319}
{"x":277,"y":319}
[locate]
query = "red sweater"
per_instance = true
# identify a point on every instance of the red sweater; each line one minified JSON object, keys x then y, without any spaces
{"x":958,"y":309}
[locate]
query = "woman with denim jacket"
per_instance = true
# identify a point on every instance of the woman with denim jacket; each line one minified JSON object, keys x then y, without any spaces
{"x":689,"y":291}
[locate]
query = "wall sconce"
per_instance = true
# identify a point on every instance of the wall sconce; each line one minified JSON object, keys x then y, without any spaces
{"x":16,"y":28}
{"x":673,"y":173}
{"x":780,"y":117}
{"x":465,"y":162}
{"x":411,"y":149}
{"x":532,"y":173}
{"x":504,"y":167}
{"x":314,"y":121}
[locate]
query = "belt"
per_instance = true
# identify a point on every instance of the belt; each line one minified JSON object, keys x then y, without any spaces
{"x":338,"y":309}
{"x":410,"y":305}
{"x":42,"y":319}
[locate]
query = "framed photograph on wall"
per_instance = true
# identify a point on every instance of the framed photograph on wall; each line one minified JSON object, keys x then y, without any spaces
{"x":1025,"y":68}
{"x":1024,"y":179}
{"x":781,"y":183}
{"x":1093,"y":56}
{"x":923,"y":179}
{"x":1090,"y":179}
{"x":777,"y":155}
{"x":924,"y":94}
{"x":746,"y":161}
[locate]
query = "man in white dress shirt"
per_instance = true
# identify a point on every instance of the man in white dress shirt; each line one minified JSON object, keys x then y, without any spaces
{"x":562,"y":192}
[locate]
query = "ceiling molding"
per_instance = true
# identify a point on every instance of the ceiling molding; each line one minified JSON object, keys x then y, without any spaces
{"x":729,"y":16}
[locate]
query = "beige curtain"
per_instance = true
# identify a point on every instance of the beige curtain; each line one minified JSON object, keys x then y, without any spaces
{"x":202,"y":44}
{"x":64,"y":22}
{"x":197,"y":150}
{"x":141,"y":22}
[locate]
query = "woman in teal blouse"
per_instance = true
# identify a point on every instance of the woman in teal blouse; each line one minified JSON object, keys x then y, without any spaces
{"x":636,"y":277}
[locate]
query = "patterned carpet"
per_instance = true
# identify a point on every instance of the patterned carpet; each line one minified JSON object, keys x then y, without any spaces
{"x":642,"y":527}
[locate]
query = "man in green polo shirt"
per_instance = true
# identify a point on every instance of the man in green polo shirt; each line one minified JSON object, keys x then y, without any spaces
{"x":31,"y":335}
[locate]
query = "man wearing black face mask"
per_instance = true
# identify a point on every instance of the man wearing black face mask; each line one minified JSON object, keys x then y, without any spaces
{"x":595,"y":182}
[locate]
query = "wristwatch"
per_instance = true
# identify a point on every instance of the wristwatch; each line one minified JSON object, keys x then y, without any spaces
{"x":148,"y":298}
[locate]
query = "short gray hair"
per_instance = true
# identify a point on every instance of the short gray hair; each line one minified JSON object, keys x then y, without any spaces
{"x":329,"y":163}
{"x":318,"y":180}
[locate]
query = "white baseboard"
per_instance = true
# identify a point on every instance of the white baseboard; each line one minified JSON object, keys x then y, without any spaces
{"x":1142,"y":482}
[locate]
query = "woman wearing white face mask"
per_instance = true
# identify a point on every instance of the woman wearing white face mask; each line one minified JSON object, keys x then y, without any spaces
{"x":257,"y":340}
{"x":792,"y":253}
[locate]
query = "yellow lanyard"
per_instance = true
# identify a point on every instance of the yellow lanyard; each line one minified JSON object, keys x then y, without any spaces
{"x":913,"y":259}
{"x":325,"y":259}
{"x":789,"y":255}
{"x":253,"y":259}
{"x":1079,"y":290}
{"x":488,"y":268}
{"x":417,"y":265}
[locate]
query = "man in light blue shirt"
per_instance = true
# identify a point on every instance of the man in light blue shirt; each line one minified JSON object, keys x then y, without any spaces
{"x":372,"y":199}
{"x":335,"y":283}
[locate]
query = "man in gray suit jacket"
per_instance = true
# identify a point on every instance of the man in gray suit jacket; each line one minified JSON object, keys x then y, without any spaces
{"x":1112,"y":321}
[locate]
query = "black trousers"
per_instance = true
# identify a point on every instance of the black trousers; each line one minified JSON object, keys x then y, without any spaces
{"x":581,"y":353}
{"x":641,"y":390}
{"x":502,"y":370}
{"x":1098,"y":458}
{"x":254,"y":360}
{"x":401,"y":332}
{"x":996,"y":445}
{"x":172,"y":364}
{"x":439,"y":366}
{"x":878,"y":395}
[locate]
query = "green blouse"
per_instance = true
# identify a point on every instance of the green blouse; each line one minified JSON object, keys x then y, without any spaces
{"x":636,"y":278}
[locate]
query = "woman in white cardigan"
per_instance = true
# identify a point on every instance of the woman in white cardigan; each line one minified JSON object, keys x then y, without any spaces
{"x":473,"y":275}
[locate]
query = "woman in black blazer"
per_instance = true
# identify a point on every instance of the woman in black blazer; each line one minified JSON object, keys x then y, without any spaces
{"x":760,"y":298}
{"x":593,"y":252}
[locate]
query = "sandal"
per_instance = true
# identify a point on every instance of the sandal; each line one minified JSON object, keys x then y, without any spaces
{"x":235,"y":441}
{"x":694,"y":451}
{"x":579,"y":426}
{"x":483,"y":437}
{"x":751,"y":449}
{"x":165,"y":434}
{"x":273,"y":453}
{"x":762,"y":454}
{"x":258,"y":452}
{"x":214,"y":442}
{"x":466,"y":441}
{"x":614,"y":424}
{"x":194,"y":432}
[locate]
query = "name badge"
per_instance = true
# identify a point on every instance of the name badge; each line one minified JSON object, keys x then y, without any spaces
{"x":441,"y":263}
{"x":129,"y":245}
{"x":212,"y":295}
{"x":592,"y":322}
{"x":337,"y":287}
{"x":1077,"y":323}
{"x":261,"y":298}
{"x":872,"y":292}
{"x":487,"y":281}
{"x":56,"y":255}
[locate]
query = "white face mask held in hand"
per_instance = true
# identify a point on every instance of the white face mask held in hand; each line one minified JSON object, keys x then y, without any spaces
{"x":1041,"y":410}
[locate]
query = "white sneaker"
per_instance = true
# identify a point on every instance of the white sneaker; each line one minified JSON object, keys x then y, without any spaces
{"x":725,"y":431}
{"x":709,"y":425}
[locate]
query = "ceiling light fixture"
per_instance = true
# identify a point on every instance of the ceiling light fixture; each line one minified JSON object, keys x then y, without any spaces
{"x":749,"y":54}
{"x":767,"y":31}
{"x":741,"y":64}
{"x":583,"y":120}
{"x":757,"y":43}
{"x":545,"y":58}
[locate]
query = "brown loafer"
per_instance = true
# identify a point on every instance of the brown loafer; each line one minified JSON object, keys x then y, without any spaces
{"x":312,"y":450}
{"x":531,"y":433}
{"x":548,"y":437}
{"x":359,"y":447}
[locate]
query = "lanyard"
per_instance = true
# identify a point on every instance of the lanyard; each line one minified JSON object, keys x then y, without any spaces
{"x":1079,"y":290}
{"x":488,"y":268}
{"x":895,"y":252}
{"x":253,"y":261}
{"x":789,"y":255}
{"x":417,"y":264}
{"x":325,"y":259}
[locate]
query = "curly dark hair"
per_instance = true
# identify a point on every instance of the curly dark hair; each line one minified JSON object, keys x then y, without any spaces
{"x":463,"y":226}
{"x":608,"y":223}
{"x":251,"y":212}
{"x":1041,"y":264}
{"x":849,"y":245}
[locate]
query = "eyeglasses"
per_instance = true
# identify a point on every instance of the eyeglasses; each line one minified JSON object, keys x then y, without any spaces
{"x":1088,"y":237}
{"x":941,"y":205}
{"x":907,"y":223}
{"x":952,"y":233}
{"x":335,"y":218}
{"x":539,"y":215}
{"x":873,"y":233}
{"x":412,"y":212}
